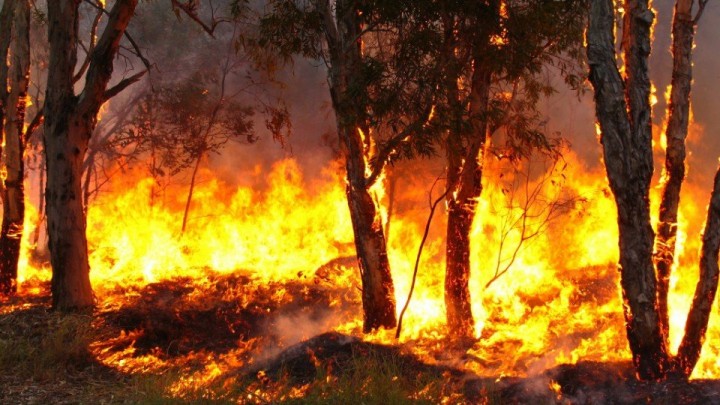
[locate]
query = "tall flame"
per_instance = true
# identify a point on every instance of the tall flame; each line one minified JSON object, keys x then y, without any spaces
{"x":558,"y":301}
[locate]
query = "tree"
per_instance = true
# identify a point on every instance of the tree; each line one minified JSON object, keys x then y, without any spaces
{"x":179,"y":125}
{"x":441,"y":63}
{"x":623,"y":112}
{"x":343,"y":31}
{"x":15,"y":38}
{"x":368,"y":87}
{"x":496,"y":55}
{"x":676,"y":129}
{"x":69,"y":122}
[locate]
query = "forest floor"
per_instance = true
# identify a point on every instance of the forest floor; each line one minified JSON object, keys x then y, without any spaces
{"x":226,"y":339}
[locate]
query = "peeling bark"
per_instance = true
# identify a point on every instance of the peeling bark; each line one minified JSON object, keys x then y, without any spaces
{"x":12,"y":192}
{"x":623,"y":112}
{"x":676,"y":131}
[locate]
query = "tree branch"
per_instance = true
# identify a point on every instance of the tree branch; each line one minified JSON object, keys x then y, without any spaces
{"x":129,"y":37}
{"x":701,"y":9}
{"x":381,"y":159}
{"x":101,"y":64}
{"x":190,"y":8}
{"x":91,"y":47}
{"x":38,"y":120}
{"x":124,"y":83}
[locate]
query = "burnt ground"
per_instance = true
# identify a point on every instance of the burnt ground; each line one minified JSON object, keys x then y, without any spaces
{"x":181,"y":323}
{"x":581,"y":383}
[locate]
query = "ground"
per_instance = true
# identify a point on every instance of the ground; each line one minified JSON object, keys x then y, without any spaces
{"x":229,"y":339}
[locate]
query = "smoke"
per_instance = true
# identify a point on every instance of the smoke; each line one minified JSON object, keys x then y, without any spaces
{"x":288,"y":329}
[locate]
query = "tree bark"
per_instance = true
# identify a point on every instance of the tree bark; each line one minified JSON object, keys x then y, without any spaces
{"x":12,"y":192}
{"x":69,"y":123}
{"x":464,"y":174}
{"x":627,"y":148}
{"x":683,"y":30}
{"x":696,"y":326}
{"x":345,"y":47}
{"x":6,"y":23}
{"x":7,"y":285}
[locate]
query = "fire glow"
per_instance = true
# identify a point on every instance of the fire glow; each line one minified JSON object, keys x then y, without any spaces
{"x":558,"y":302}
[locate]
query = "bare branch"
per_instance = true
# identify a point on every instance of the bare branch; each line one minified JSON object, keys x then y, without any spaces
{"x":701,"y":9}
{"x":38,"y":120}
{"x":124,"y":83}
{"x":89,"y":50}
{"x":129,"y":37}
{"x":100,"y":70}
{"x":536,"y":214}
{"x":381,"y":159}
{"x":190,"y":9}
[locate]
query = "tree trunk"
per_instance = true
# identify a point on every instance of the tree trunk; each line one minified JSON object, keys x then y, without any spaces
{"x":13,"y":196}
{"x":696,"y":326}
{"x":627,"y":148}
{"x":7,"y":284}
{"x":69,"y":123}
{"x":464,"y":174}
{"x":683,"y":30}
{"x":378,"y":295}
{"x":6,"y":24}
{"x":65,"y":146}
{"x":345,"y":48}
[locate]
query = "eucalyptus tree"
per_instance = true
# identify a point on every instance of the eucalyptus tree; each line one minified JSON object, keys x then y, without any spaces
{"x":624,"y":114}
{"x":497,"y":58}
{"x":382,"y":97}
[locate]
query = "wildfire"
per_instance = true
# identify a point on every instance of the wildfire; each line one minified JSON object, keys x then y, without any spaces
{"x":558,"y":302}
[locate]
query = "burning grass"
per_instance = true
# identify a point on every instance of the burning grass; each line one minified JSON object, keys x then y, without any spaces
{"x":178,"y":319}
{"x":227,"y":339}
{"x":219,"y":340}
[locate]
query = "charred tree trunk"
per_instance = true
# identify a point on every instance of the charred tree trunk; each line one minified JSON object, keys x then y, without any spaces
{"x":13,"y":195}
{"x":69,"y":123}
{"x":683,"y":30}
{"x":696,"y":326}
{"x":7,"y":284}
{"x":6,"y":23}
{"x":345,"y":47}
{"x":627,"y":148}
{"x":464,"y":174}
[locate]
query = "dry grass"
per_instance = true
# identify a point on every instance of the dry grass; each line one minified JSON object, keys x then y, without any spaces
{"x":180,"y":331}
